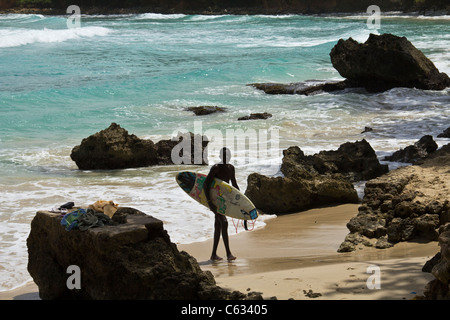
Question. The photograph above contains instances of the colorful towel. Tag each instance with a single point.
(70, 220)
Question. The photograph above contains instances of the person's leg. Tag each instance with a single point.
(217, 231)
(224, 226)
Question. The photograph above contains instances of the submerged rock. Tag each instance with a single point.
(303, 88)
(131, 260)
(205, 110)
(384, 62)
(256, 116)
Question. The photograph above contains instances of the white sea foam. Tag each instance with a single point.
(158, 16)
(19, 37)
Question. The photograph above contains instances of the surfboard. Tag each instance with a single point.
(229, 201)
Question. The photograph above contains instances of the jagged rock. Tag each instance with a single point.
(445, 133)
(278, 195)
(309, 181)
(357, 161)
(420, 150)
(204, 110)
(134, 259)
(407, 203)
(256, 116)
(384, 62)
(303, 88)
(115, 148)
(439, 288)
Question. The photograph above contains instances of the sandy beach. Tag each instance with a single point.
(294, 257)
(297, 253)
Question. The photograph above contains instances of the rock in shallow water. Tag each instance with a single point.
(114, 148)
(386, 61)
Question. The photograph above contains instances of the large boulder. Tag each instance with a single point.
(131, 259)
(281, 195)
(384, 62)
(311, 181)
(115, 148)
(356, 161)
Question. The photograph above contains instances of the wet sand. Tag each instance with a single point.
(297, 253)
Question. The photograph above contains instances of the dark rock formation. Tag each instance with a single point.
(309, 181)
(356, 161)
(279, 195)
(439, 288)
(381, 63)
(304, 88)
(445, 133)
(133, 259)
(204, 110)
(256, 116)
(115, 148)
(407, 203)
(384, 62)
(420, 150)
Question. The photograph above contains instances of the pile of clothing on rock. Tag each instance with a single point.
(97, 214)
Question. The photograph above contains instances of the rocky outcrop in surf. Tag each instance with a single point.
(356, 161)
(115, 148)
(309, 181)
(205, 110)
(420, 150)
(381, 63)
(407, 203)
(384, 62)
(131, 259)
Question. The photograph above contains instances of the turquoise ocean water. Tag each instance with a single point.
(59, 85)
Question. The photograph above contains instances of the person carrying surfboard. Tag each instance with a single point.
(224, 171)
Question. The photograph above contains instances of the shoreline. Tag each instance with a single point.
(296, 253)
(431, 12)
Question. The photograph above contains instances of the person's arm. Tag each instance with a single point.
(233, 178)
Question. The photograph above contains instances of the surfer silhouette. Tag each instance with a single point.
(223, 171)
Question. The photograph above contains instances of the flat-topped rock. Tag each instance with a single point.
(133, 258)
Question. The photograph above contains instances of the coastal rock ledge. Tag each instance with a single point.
(131, 259)
(409, 203)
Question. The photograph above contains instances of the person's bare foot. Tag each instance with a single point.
(216, 258)
(230, 257)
